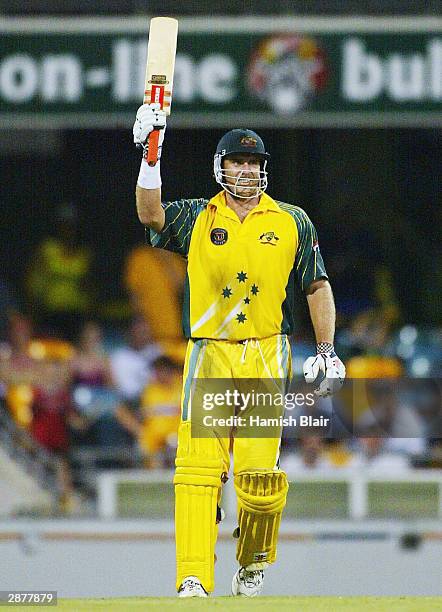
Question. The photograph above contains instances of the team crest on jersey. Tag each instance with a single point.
(269, 238)
(219, 235)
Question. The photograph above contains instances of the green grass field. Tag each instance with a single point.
(263, 604)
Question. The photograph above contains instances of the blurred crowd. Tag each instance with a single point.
(69, 395)
(74, 379)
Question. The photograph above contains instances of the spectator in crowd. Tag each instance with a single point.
(387, 415)
(314, 452)
(425, 396)
(160, 411)
(367, 333)
(155, 277)
(94, 391)
(373, 452)
(90, 364)
(156, 424)
(58, 280)
(131, 363)
(53, 415)
(310, 454)
(363, 371)
(19, 371)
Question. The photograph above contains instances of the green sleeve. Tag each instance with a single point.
(177, 231)
(309, 265)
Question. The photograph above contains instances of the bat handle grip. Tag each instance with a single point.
(152, 149)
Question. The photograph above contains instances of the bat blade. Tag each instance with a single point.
(161, 51)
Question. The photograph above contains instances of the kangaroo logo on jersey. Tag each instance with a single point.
(219, 235)
(269, 238)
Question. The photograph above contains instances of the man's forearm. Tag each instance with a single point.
(149, 209)
(148, 193)
(322, 311)
(325, 362)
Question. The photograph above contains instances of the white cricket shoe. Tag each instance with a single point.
(247, 584)
(191, 587)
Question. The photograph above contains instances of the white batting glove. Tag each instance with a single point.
(327, 365)
(149, 117)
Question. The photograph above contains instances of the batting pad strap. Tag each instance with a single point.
(149, 177)
(262, 492)
(261, 500)
(203, 478)
(190, 471)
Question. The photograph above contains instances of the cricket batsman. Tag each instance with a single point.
(245, 251)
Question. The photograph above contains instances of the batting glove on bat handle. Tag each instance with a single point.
(325, 364)
(149, 117)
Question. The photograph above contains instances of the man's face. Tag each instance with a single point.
(242, 173)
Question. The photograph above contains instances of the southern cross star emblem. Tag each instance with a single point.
(254, 289)
(246, 300)
(227, 292)
(241, 277)
(241, 317)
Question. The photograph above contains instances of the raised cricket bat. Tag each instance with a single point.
(161, 51)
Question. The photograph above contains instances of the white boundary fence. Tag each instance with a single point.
(358, 482)
(96, 558)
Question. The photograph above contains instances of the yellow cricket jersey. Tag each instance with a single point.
(240, 276)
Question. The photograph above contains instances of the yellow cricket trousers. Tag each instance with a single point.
(209, 457)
